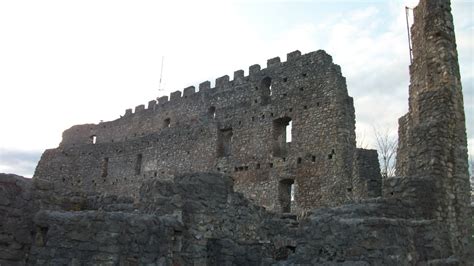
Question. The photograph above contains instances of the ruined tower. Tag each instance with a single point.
(432, 155)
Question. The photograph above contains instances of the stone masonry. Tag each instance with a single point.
(240, 128)
(432, 155)
(182, 182)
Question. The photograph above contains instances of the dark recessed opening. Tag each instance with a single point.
(212, 112)
(167, 122)
(105, 167)
(266, 90)
(224, 142)
(138, 164)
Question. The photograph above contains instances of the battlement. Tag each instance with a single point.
(221, 83)
(275, 82)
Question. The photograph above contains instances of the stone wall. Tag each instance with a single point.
(432, 155)
(16, 226)
(367, 180)
(198, 219)
(239, 128)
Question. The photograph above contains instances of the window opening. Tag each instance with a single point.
(224, 142)
(138, 164)
(286, 194)
(93, 139)
(288, 132)
(331, 155)
(105, 167)
(167, 122)
(212, 112)
(266, 90)
(282, 134)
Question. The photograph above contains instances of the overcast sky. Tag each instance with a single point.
(64, 63)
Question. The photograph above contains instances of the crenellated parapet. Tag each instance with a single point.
(190, 106)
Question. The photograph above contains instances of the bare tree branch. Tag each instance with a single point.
(387, 149)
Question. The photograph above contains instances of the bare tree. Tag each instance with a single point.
(361, 141)
(387, 149)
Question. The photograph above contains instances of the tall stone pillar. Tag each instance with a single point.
(432, 154)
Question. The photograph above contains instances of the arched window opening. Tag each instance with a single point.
(282, 130)
(212, 112)
(286, 194)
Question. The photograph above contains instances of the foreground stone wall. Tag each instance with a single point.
(16, 226)
(240, 128)
(198, 219)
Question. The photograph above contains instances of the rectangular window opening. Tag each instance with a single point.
(224, 142)
(105, 167)
(282, 134)
(138, 164)
(286, 195)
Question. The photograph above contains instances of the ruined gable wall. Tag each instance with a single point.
(308, 89)
(432, 154)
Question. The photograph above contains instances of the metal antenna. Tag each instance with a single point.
(407, 11)
(161, 73)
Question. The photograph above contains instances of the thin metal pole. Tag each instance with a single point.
(407, 10)
(161, 72)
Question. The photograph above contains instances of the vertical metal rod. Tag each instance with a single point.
(161, 72)
(407, 10)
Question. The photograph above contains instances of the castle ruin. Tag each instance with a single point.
(216, 177)
(240, 128)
